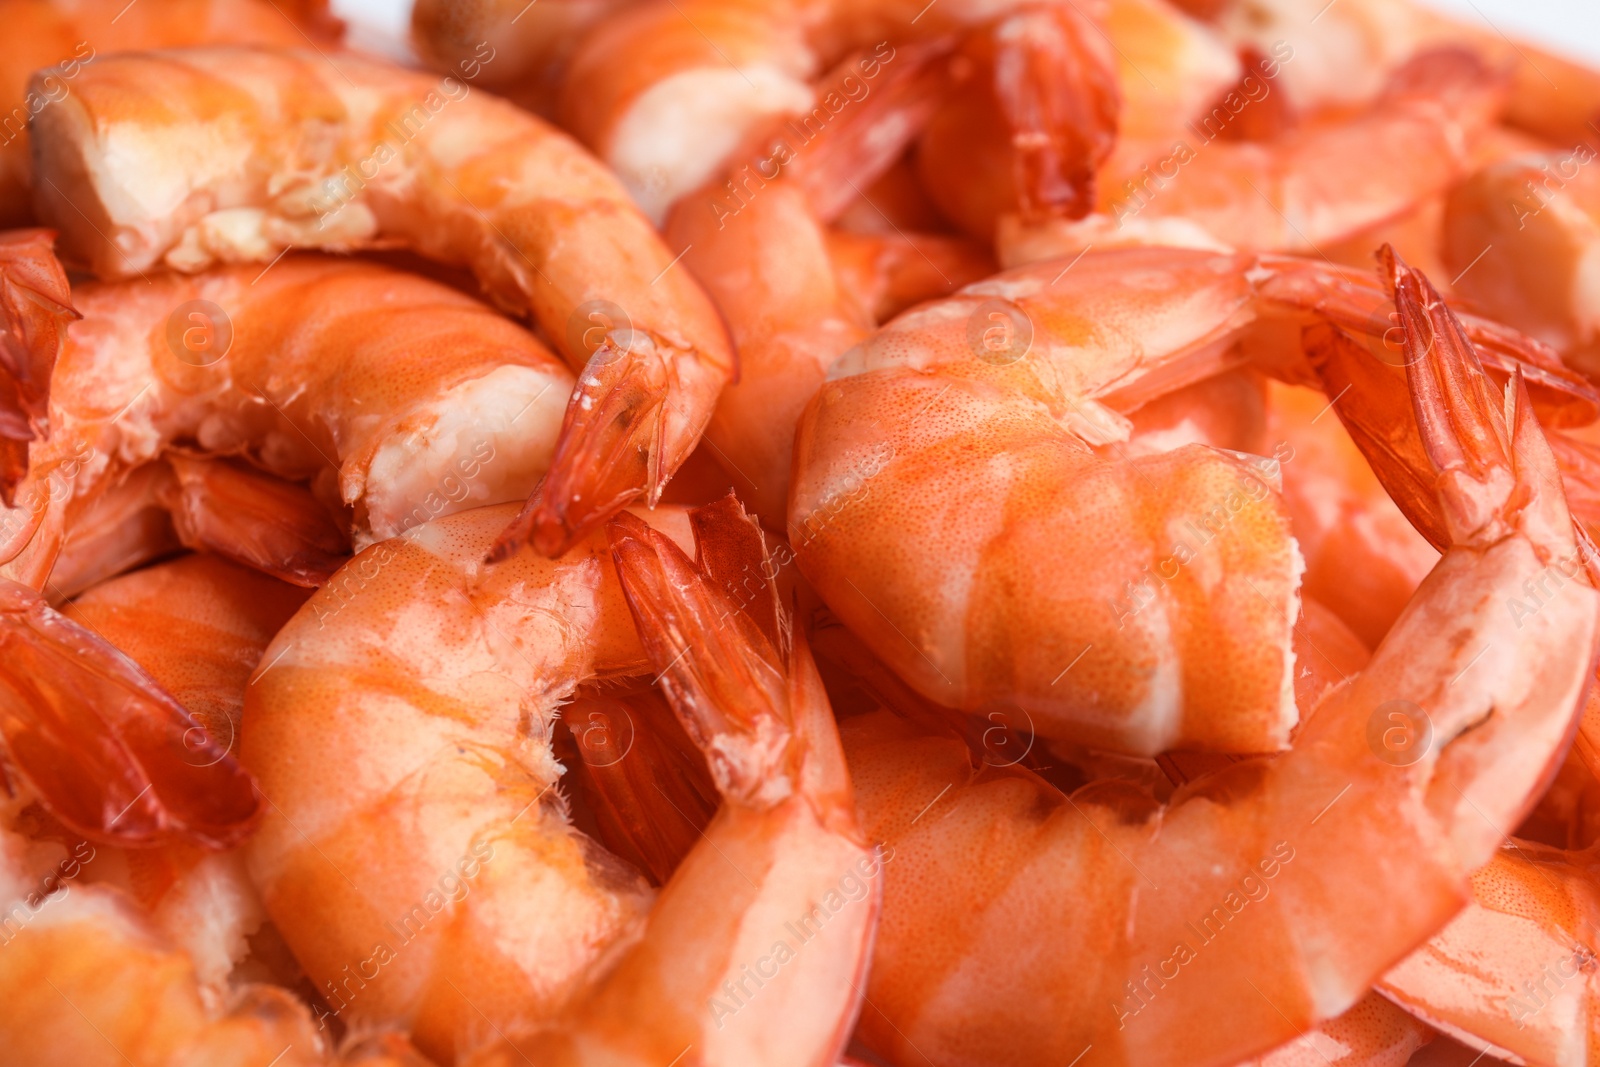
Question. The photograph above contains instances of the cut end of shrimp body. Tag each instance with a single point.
(609, 451)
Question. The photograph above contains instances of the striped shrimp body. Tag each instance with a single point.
(382, 157)
(1226, 921)
(295, 409)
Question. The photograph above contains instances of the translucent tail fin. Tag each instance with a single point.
(250, 517)
(35, 308)
(609, 451)
(744, 686)
(1056, 81)
(110, 753)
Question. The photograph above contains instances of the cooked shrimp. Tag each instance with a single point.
(400, 158)
(759, 242)
(756, 949)
(446, 880)
(1254, 904)
(1317, 184)
(532, 42)
(458, 802)
(88, 980)
(1173, 577)
(60, 39)
(1514, 974)
(1344, 51)
(703, 75)
(197, 626)
(1523, 235)
(1364, 560)
(404, 398)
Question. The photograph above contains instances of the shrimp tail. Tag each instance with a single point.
(275, 526)
(631, 753)
(721, 672)
(1057, 85)
(1444, 365)
(110, 753)
(35, 307)
(609, 451)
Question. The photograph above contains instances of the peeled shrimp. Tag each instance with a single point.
(1259, 900)
(790, 289)
(400, 158)
(701, 76)
(1157, 592)
(1315, 185)
(756, 949)
(394, 395)
(447, 885)
(60, 39)
(1344, 51)
(197, 625)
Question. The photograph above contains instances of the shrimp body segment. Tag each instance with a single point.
(35, 308)
(400, 158)
(395, 395)
(1225, 922)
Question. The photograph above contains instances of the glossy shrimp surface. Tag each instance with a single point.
(1225, 921)
(396, 396)
(700, 77)
(405, 159)
(61, 39)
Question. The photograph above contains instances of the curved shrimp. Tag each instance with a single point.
(448, 884)
(393, 395)
(1254, 903)
(60, 40)
(197, 625)
(790, 289)
(1320, 183)
(1173, 577)
(532, 43)
(796, 890)
(401, 158)
(725, 70)
(89, 980)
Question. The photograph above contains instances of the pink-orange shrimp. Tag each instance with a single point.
(400, 158)
(1226, 921)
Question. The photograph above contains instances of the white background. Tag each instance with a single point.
(1570, 26)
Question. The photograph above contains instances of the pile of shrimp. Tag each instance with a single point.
(794, 533)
